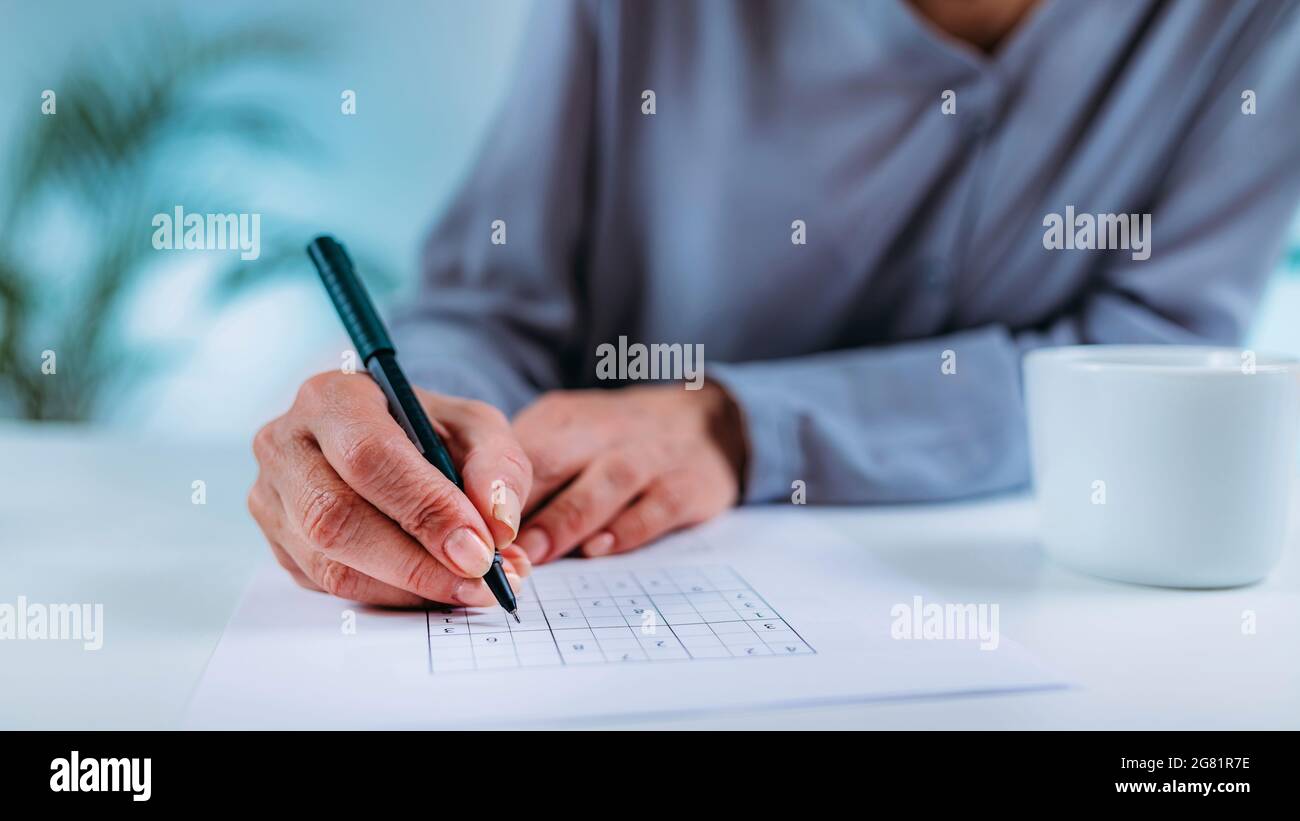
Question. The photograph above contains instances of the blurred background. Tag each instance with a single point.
(219, 107)
(236, 107)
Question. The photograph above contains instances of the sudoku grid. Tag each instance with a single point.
(599, 617)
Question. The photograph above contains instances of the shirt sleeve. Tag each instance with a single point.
(888, 424)
(490, 320)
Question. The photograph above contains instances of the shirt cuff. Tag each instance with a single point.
(772, 463)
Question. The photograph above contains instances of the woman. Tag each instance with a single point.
(865, 212)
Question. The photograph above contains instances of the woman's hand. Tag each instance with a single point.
(615, 469)
(349, 506)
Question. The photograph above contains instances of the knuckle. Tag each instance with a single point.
(315, 388)
(665, 453)
(622, 473)
(567, 515)
(423, 579)
(673, 502)
(367, 458)
(263, 442)
(328, 518)
(338, 579)
(553, 462)
(432, 511)
(332, 389)
(635, 526)
(549, 471)
(255, 505)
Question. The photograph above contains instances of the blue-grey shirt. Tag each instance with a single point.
(923, 214)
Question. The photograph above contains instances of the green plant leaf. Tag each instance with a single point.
(107, 153)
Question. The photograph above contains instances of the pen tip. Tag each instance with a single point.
(516, 615)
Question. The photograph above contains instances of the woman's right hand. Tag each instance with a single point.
(349, 506)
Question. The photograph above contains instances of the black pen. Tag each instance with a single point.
(375, 349)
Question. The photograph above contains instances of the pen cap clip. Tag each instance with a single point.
(349, 296)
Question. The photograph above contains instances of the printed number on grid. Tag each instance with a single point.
(615, 617)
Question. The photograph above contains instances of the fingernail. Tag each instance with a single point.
(468, 552)
(600, 544)
(518, 560)
(473, 592)
(506, 506)
(535, 543)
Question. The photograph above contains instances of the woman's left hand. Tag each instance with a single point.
(615, 469)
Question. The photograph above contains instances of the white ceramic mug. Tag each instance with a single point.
(1163, 465)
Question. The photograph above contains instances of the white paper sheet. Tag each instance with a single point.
(757, 609)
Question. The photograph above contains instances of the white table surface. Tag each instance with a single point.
(93, 516)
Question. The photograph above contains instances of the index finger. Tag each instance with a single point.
(372, 454)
